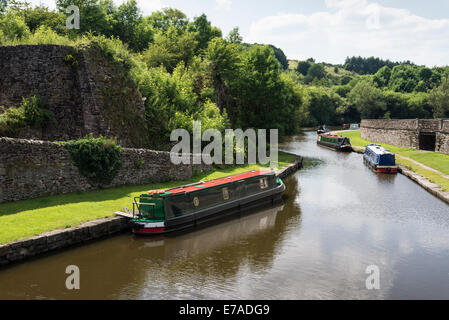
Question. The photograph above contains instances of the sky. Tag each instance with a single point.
(328, 30)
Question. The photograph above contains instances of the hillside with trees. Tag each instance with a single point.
(186, 69)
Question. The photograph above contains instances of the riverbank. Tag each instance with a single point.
(96, 207)
(428, 169)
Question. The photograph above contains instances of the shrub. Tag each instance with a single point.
(36, 115)
(11, 120)
(31, 113)
(98, 159)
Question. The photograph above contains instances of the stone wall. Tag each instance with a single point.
(400, 133)
(86, 91)
(32, 169)
(59, 239)
(443, 137)
(406, 133)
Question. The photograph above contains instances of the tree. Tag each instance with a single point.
(368, 100)
(95, 15)
(316, 71)
(3, 5)
(404, 78)
(382, 77)
(260, 93)
(234, 36)
(280, 56)
(439, 99)
(204, 31)
(320, 105)
(368, 65)
(42, 16)
(223, 61)
(13, 26)
(162, 20)
(127, 16)
(303, 67)
(170, 48)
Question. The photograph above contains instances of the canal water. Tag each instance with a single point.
(338, 218)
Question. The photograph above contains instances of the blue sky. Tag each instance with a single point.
(330, 30)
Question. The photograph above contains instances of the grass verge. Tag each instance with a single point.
(24, 219)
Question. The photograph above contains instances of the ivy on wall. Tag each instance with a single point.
(98, 159)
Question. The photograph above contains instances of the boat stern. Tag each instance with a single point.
(140, 227)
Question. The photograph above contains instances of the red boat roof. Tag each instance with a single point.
(330, 136)
(217, 182)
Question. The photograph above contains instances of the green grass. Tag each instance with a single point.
(434, 160)
(24, 219)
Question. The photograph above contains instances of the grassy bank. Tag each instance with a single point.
(434, 160)
(24, 219)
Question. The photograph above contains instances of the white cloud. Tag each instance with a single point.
(224, 4)
(356, 27)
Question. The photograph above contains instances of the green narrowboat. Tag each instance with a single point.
(335, 142)
(158, 212)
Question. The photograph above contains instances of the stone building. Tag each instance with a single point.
(422, 134)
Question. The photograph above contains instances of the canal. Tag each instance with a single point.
(337, 219)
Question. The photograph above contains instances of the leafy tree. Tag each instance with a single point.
(234, 36)
(368, 100)
(439, 98)
(204, 31)
(96, 16)
(404, 78)
(261, 93)
(170, 48)
(368, 65)
(3, 5)
(42, 16)
(223, 58)
(13, 26)
(126, 18)
(303, 67)
(321, 106)
(382, 77)
(162, 20)
(316, 71)
(280, 56)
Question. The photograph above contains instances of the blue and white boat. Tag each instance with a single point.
(380, 159)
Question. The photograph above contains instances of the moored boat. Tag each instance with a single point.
(159, 212)
(322, 129)
(380, 159)
(334, 142)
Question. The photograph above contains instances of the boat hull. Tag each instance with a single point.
(380, 169)
(335, 146)
(207, 215)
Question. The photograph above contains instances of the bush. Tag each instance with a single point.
(98, 159)
(36, 115)
(31, 113)
(11, 121)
